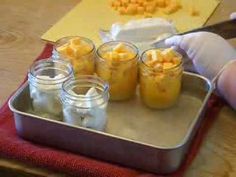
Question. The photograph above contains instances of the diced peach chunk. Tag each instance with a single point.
(119, 52)
(75, 41)
(119, 48)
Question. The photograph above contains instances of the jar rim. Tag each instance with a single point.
(118, 41)
(89, 41)
(82, 78)
(169, 69)
(49, 60)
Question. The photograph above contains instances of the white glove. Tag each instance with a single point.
(209, 52)
(233, 15)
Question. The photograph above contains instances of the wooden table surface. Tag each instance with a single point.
(22, 22)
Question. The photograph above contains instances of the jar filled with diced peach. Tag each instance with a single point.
(79, 51)
(117, 63)
(160, 77)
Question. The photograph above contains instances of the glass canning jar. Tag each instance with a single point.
(121, 73)
(79, 51)
(45, 79)
(84, 101)
(160, 88)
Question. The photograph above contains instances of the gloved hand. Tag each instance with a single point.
(208, 51)
(233, 15)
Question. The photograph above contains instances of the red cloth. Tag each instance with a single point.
(12, 146)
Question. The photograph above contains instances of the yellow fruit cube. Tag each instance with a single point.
(124, 2)
(123, 56)
(168, 65)
(122, 10)
(161, 3)
(131, 9)
(151, 63)
(133, 1)
(63, 49)
(79, 51)
(154, 54)
(140, 10)
(147, 15)
(149, 55)
(119, 52)
(176, 60)
(158, 67)
(150, 9)
(130, 55)
(159, 56)
(194, 12)
(70, 52)
(172, 7)
(120, 48)
(168, 54)
(140, 2)
(115, 56)
(116, 4)
(75, 42)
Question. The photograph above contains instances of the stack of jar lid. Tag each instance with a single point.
(113, 70)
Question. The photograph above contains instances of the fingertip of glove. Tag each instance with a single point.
(233, 15)
(173, 41)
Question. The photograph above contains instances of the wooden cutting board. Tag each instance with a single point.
(89, 16)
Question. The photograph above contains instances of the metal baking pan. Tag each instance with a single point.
(152, 140)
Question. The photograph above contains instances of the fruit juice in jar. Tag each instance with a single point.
(160, 77)
(79, 51)
(117, 64)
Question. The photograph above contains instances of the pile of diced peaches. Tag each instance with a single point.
(145, 7)
(148, 8)
(118, 63)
